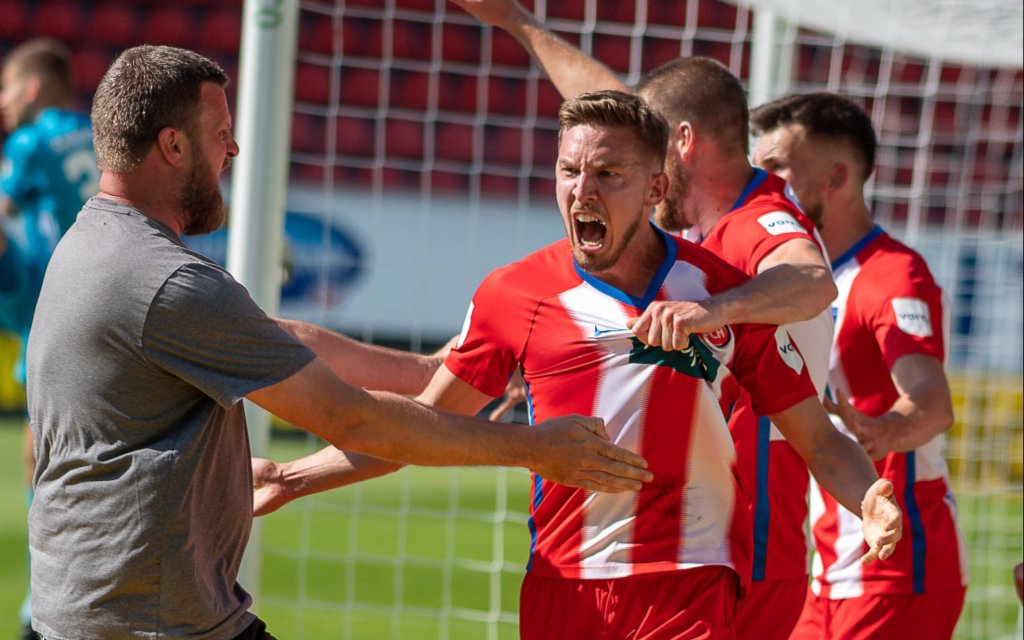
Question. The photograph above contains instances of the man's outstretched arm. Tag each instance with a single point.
(572, 71)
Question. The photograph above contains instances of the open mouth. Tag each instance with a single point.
(590, 230)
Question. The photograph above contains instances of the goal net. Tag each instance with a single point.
(421, 157)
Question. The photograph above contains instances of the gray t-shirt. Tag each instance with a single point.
(139, 355)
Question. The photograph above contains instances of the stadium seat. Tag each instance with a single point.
(459, 43)
(507, 51)
(114, 24)
(457, 92)
(567, 10)
(403, 139)
(545, 147)
(622, 12)
(453, 142)
(506, 96)
(88, 67)
(549, 101)
(716, 14)
(316, 33)
(448, 182)
(60, 19)
(359, 87)
(409, 89)
(362, 37)
(221, 30)
(503, 145)
(419, 5)
(312, 83)
(412, 40)
(667, 13)
(494, 185)
(16, 20)
(658, 51)
(613, 51)
(171, 25)
(309, 133)
(355, 136)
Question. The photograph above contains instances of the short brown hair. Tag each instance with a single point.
(617, 109)
(703, 92)
(146, 89)
(824, 116)
(48, 60)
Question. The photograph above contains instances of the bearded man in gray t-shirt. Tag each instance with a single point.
(140, 353)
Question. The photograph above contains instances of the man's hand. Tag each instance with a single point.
(515, 393)
(268, 493)
(881, 521)
(669, 324)
(874, 435)
(575, 451)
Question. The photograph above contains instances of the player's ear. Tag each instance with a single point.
(838, 177)
(658, 189)
(683, 141)
(171, 144)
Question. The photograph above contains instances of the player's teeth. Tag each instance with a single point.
(586, 217)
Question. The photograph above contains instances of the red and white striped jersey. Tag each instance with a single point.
(567, 330)
(888, 306)
(773, 475)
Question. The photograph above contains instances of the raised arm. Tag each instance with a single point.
(572, 71)
(841, 468)
(368, 366)
(923, 410)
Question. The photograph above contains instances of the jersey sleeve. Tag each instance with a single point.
(908, 317)
(204, 328)
(769, 367)
(493, 336)
(19, 176)
(752, 236)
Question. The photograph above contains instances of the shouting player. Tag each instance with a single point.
(676, 554)
(743, 215)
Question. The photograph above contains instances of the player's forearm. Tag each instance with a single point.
(913, 424)
(843, 469)
(364, 365)
(783, 294)
(327, 469)
(572, 71)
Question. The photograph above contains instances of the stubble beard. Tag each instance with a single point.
(596, 264)
(670, 214)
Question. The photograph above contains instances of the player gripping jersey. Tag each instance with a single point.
(773, 475)
(567, 330)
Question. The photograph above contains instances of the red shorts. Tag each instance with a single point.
(771, 609)
(682, 605)
(885, 616)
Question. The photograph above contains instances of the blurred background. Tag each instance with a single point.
(422, 147)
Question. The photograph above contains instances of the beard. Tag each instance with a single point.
(201, 199)
(595, 264)
(670, 213)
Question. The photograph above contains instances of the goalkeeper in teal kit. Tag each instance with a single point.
(48, 172)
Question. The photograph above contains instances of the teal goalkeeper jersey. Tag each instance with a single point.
(48, 172)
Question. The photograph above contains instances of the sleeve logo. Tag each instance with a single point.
(787, 351)
(912, 316)
(780, 222)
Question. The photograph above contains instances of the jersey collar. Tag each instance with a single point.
(760, 175)
(671, 251)
(855, 249)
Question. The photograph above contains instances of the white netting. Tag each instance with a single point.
(423, 147)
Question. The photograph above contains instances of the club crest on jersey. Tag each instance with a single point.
(719, 338)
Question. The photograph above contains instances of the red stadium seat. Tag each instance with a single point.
(658, 51)
(60, 19)
(312, 83)
(114, 24)
(667, 13)
(16, 20)
(567, 9)
(622, 11)
(492, 185)
(447, 182)
(404, 139)
(362, 37)
(457, 93)
(355, 136)
(503, 145)
(221, 30)
(454, 142)
(459, 43)
(507, 51)
(717, 15)
(308, 133)
(360, 87)
(316, 34)
(506, 96)
(171, 25)
(613, 51)
(88, 67)
(412, 40)
(409, 89)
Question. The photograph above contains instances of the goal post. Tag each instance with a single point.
(258, 187)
